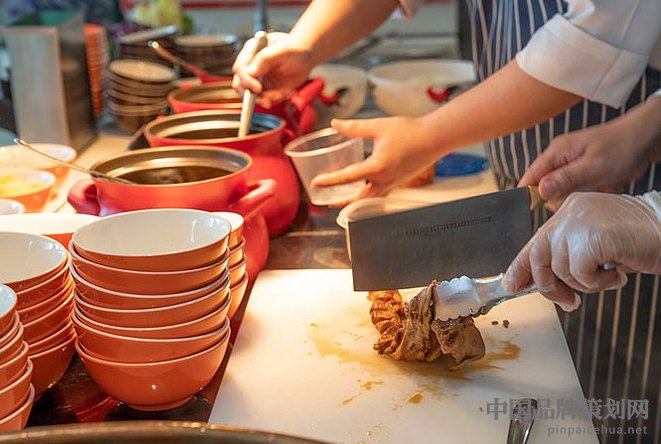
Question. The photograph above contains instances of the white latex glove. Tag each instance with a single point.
(589, 230)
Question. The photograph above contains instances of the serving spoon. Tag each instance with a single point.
(73, 166)
(167, 55)
(261, 40)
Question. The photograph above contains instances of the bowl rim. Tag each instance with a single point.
(82, 352)
(220, 232)
(48, 281)
(23, 351)
(68, 286)
(11, 298)
(45, 178)
(56, 347)
(56, 246)
(290, 149)
(22, 407)
(27, 374)
(69, 300)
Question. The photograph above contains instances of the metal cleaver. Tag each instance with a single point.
(477, 236)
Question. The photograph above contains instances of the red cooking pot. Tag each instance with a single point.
(211, 179)
(298, 112)
(264, 144)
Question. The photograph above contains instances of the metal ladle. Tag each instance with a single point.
(73, 166)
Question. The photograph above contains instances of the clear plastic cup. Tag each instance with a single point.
(324, 151)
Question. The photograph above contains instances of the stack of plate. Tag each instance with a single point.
(213, 52)
(137, 91)
(237, 262)
(134, 45)
(16, 391)
(98, 56)
(152, 296)
(37, 269)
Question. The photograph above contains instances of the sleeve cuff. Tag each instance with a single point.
(566, 57)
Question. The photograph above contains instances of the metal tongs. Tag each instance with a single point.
(464, 296)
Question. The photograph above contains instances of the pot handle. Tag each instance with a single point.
(305, 94)
(258, 195)
(82, 196)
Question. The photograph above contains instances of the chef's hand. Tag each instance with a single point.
(282, 66)
(603, 158)
(589, 230)
(401, 149)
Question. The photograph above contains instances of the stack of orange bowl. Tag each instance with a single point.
(237, 260)
(16, 392)
(37, 269)
(98, 56)
(152, 296)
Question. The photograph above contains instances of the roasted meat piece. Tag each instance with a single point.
(409, 331)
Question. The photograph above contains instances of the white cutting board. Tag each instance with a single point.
(303, 364)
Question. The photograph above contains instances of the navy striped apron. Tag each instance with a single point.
(615, 337)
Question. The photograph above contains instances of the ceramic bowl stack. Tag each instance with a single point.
(137, 91)
(98, 56)
(134, 45)
(37, 269)
(213, 52)
(152, 296)
(16, 391)
(238, 262)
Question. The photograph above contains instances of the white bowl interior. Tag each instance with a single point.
(142, 71)
(10, 207)
(151, 232)
(7, 300)
(25, 256)
(424, 72)
(235, 220)
(45, 223)
(16, 156)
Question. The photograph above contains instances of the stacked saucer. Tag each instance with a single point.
(37, 269)
(152, 296)
(16, 391)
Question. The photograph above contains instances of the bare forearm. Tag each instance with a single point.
(328, 26)
(508, 101)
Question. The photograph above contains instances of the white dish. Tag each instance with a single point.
(346, 82)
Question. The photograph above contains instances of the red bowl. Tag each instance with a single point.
(51, 322)
(126, 349)
(156, 385)
(237, 272)
(7, 308)
(156, 317)
(146, 282)
(42, 291)
(29, 259)
(237, 291)
(157, 240)
(10, 332)
(13, 345)
(57, 338)
(16, 420)
(11, 370)
(236, 254)
(196, 327)
(15, 394)
(101, 297)
(50, 365)
(33, 312)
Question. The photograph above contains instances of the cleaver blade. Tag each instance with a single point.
(477, 236)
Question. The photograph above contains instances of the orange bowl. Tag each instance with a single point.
(157, 240)
(32, 188)
(11, 332)
(50, 365)
(11, 370)
(35, 311)
(29, 259)
(236, 222)
(15, 394)
(58, 226)
(156, 317)
(237, 272)
(57, 338)
(16, 421)
(126, 349)
(236, 254)
(49, 323)
(101, 297)
(237, 291)
(7, 309)
(196, 327)
(147, 282)
(12, 347)
(44, 290)
(156, 385)
(18, 157)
